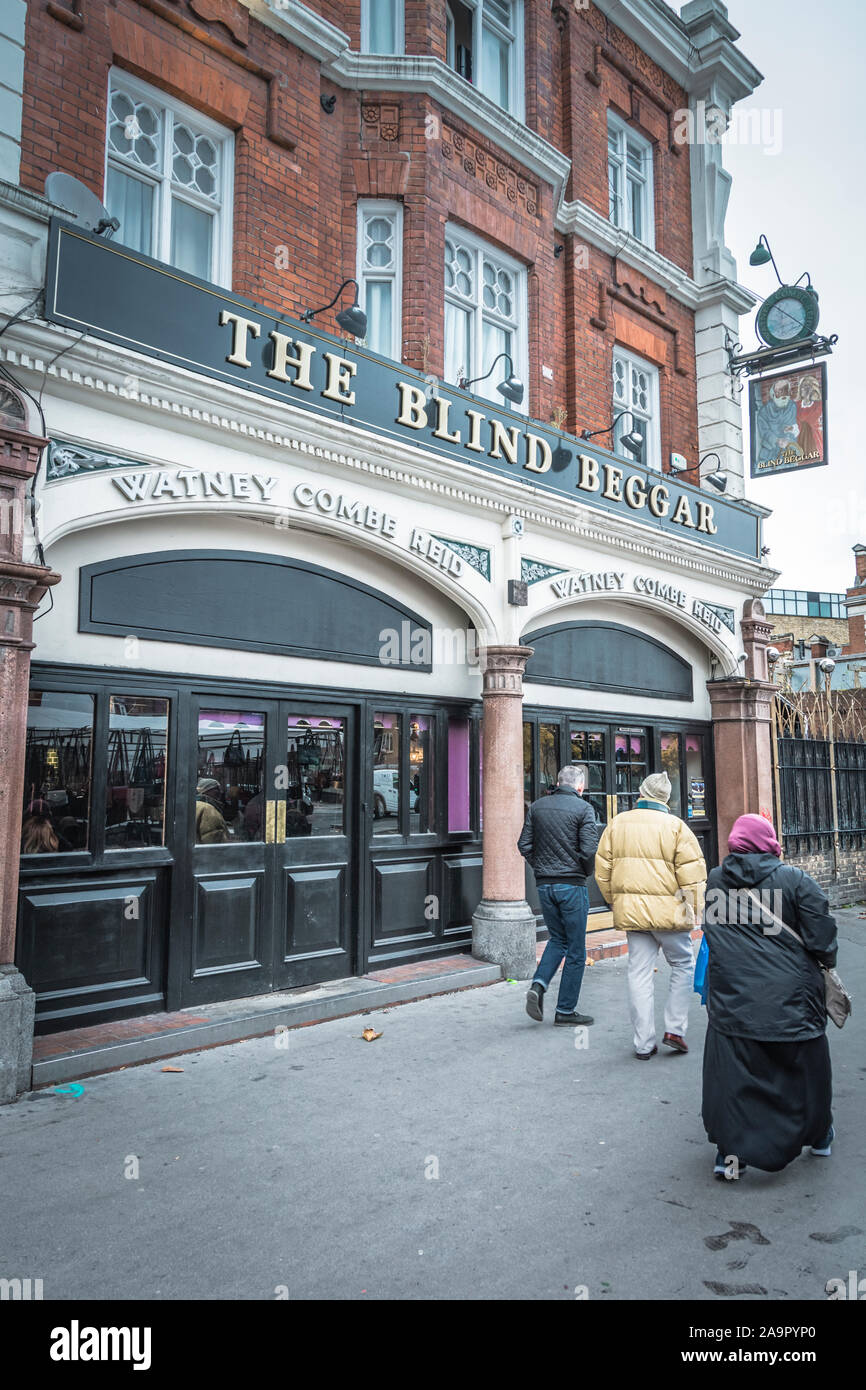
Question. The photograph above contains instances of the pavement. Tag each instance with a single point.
(467, 1153)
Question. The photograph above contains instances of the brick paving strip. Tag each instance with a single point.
(80, 1052)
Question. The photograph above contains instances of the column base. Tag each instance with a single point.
(505, 934)
(17, 1014)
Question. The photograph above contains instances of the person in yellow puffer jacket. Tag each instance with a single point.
(650, 869)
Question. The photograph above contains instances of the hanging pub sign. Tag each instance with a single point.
(788, 419)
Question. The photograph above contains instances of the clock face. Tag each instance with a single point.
(787, 319)
(788, 315)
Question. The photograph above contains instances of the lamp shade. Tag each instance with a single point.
(761, 255)
(633, 442)
(353, 320)
(511, 389)
(718, 480)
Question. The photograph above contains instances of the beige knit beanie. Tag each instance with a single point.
(656, 788)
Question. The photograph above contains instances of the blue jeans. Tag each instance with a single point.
(565, 907)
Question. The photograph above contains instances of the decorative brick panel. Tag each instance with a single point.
(479, 161)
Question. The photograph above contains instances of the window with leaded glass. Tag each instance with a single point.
(636, 392)
(485, 314)
(169, 180)
(380, 255)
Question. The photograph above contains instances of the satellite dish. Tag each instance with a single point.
(73, 195)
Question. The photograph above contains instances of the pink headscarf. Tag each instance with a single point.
(754, 835)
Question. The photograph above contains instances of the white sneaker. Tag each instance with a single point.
(825, 1150)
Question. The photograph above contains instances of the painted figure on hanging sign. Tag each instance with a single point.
(788, 415)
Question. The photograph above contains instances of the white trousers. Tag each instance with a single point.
(643, 949)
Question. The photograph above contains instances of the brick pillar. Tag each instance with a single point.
(22, 586)
(503, 925)
(855, 602)
(742, 714)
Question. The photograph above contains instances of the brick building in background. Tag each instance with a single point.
(242, 498)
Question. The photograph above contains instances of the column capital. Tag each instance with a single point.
(503, 668)
(757, 632)
(22, 588)
(741, 699)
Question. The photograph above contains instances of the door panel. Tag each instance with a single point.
(462, 890)
(315, 898)
(401, 888)
(228, 923)
(230, 861)
(93, 946)
(315, 910)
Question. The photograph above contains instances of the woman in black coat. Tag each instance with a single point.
(767, 1083)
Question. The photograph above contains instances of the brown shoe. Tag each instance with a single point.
(673, 1040)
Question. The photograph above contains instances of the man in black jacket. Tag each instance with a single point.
(559, 840)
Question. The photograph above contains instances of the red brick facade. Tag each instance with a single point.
(299, 172)
(856, 620)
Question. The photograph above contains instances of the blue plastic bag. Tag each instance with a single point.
(701, 970)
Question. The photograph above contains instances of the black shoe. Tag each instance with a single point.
(574, 1020)
(824, 1150)
(645, 1056)
(535, 1002)
(720, 1169)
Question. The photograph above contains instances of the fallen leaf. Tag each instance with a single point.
(370, 1035)
(172, 1068)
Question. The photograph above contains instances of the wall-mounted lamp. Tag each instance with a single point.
(762, 255)
(633, 441)
(328, 104)
(719, 479)
(511, 388)
(557, 251)
(353, 319)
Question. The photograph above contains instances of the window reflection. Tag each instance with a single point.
(588, 748)
(135, 787)
(548, 747)
(315, 763)
(670, 746)
(386, 773)
(57, 762)
(229, 795)
(630, 766)
(420, 790)
(528, 768)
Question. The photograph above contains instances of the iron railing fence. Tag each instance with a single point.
(819, 752)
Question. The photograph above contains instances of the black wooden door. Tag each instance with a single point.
(232, 749)
(316, 838)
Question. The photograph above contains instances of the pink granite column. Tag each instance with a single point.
(742, 713)
(22, 586)
(503, 925)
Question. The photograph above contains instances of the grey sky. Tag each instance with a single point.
(801, 198)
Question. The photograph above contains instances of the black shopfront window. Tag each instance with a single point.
(96, 768)
(57, 772)
(136, 768)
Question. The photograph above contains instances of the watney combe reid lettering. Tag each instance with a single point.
(292, 362)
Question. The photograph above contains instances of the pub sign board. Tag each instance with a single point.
(116, 294)
(788, 420)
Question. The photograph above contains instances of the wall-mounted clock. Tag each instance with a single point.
(787, 315)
